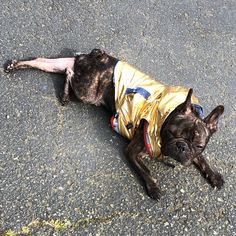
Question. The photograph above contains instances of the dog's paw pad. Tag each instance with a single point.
(63, 100)
(217, 180)
(10, 66)
(154, 191)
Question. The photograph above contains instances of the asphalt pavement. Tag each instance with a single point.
(62, 169)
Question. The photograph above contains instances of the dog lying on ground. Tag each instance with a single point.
(157, 119)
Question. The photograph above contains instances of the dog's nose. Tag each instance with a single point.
(181, 146)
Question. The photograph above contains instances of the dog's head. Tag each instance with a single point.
(184, 134)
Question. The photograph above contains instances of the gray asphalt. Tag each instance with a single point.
(62, 169)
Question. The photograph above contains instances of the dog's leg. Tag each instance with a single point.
(58, 65)
(132, 152)
(215, 178)
(69, 76)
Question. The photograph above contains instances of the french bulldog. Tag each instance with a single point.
(182, 134)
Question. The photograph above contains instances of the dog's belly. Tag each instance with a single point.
(92, 82)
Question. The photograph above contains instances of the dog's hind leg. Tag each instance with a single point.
(58, 65)
(69, 75)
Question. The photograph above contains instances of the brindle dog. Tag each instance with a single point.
(184, 134)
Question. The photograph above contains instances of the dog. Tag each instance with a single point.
(157, 119)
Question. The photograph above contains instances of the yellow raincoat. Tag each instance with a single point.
(138, 97)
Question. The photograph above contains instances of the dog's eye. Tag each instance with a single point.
(199, 146)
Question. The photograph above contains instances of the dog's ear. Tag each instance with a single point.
(186, 105)
(212, 119)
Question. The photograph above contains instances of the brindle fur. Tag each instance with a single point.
(184, 135)
(92, 81)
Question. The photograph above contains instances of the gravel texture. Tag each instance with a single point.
(62, 169)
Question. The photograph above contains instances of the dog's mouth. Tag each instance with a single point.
(183, 160)
(186, 163)
(183, 157)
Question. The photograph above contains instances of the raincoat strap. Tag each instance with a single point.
(138, 90)
(146, 139)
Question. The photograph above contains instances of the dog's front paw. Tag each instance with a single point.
(10, 66)
(154, 191)
(216, 180)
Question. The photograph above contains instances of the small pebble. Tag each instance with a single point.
(220, 199)
(166, 224)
